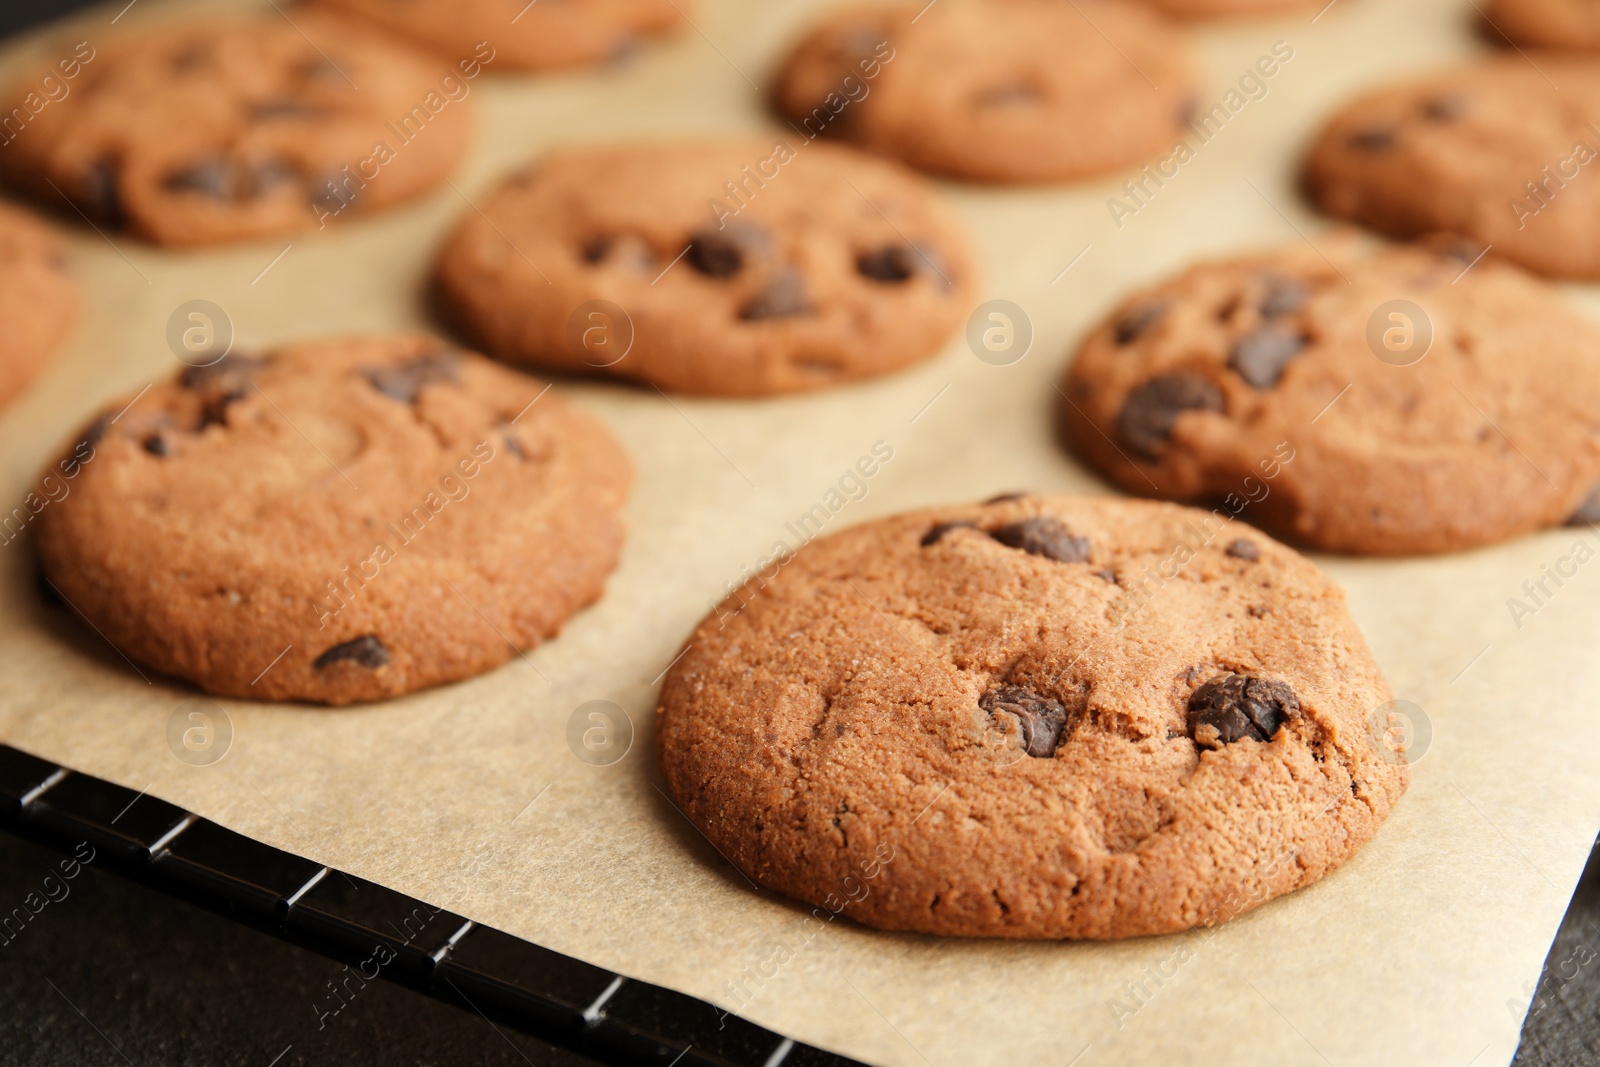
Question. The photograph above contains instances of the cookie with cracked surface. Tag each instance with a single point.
(1490, 150)
(740, 267)
(38, 298)
(337, 521)
(548, 35)
(929, 722)
(1560, 24)
(994, 90)
(206, 132)
(1257, 384)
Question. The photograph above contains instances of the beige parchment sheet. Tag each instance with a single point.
(1422, 950)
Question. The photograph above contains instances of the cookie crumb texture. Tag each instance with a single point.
(1491, 150)
(372, 509)
(226, 130)
(965, 736)
(548, 35)
(38, 298)
(743, 267)
(1254, 385)
(995, 90)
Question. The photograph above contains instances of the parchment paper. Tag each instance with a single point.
(1422, 950)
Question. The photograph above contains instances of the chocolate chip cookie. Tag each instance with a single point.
(225, 130)
(1572, 24)
(731, 268)
(336, 521)
(994, 90)
(1490, 149)
(1377, 401)
(523, 36)
(1041, 717)
(38, 298)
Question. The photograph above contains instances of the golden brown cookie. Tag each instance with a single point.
(729, 268)
(337, 520)
(1490, 149)
(225, 130)
(1041, 717)
(994, 90)
(38, 298)
(1207, 9)
(524, 35)
(1378, 401)
(1565, 24)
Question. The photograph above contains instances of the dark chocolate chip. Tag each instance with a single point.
(716, 254)
(939, 529)
(1041, 719)
(1445, 108)
(514, 447)
(1589, 511)
(404, 381)
(784, 297)
(191, 57)
(1044, 536)
(1136, 321)
(1147, 417)
(1373, 140)
(364, 651)
(594, 250)
(100, 192)
(221, 384)
(1106, 574)
(1004, 497)
(156, 445)
(1284, 296)
(1240, 548)
(1235, 706)
(891, 263)
(96, 431)
(319, 68)
(212, 177)
(1260, 355)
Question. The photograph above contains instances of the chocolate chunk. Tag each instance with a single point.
(594, 250)
(891, 263)
(1240, 548)
(1004, 497)
(404, 381)
(212, 177)
(1589, 511)
(1445, 108)
(1235, 706)
(1284, 296)
(1041, 719)
(1137, 320)
(939, 529)
(1147, 418)
(365, 651)
(155, 444)
(96, 431)
(514, 446)
(716, 254)
(222, 383)
(191, 57)
(1260, 355)
(1373, 140)
(784, 297)
(319, 68)
(100, 192)
(1044, 536)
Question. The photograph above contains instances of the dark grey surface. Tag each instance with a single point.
(19, 14)
(1562, 1027)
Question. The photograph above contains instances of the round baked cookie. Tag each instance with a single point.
(523, 36)
(1490, 149)
(731, 268)
(1378, 401)
(1573, 24)
(211, 131)
(38, 298)
(994, 90)
(336, 521)
(1040, 717)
